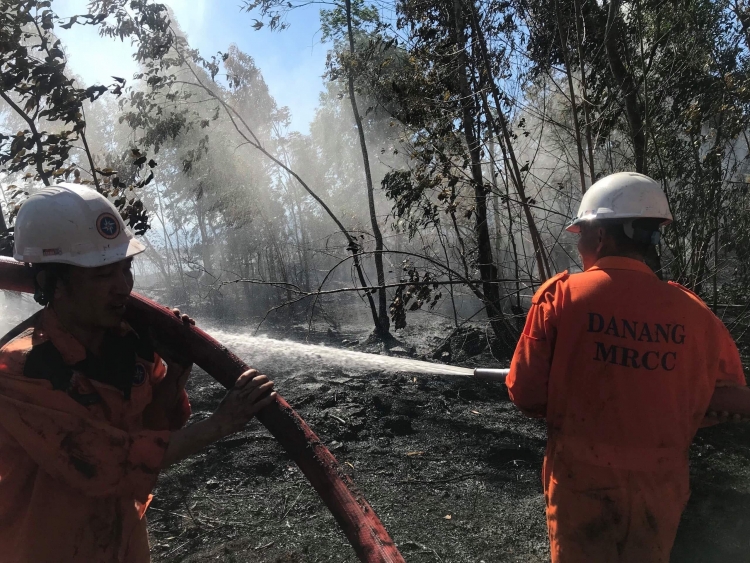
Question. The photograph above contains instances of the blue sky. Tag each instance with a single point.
(292, 61)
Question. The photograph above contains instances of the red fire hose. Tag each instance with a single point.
(361, 525)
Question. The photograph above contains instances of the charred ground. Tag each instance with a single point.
(451, 467)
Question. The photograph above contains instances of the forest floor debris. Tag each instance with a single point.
(418, 450)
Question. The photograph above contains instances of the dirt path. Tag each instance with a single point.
(451, 467)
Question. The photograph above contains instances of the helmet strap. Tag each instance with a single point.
(44, 292)
(641, 235)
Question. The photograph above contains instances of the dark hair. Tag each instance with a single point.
(43, 294)
(643, 229)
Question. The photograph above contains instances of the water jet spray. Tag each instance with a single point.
(269, 353)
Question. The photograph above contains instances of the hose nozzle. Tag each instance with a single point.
(491, 374)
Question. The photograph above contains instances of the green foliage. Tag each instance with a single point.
(413, 291)
(669, 93)
(466, 110)
(333, 22)
(410, 203)
(36, 85)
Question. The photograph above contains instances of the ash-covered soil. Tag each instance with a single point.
(450, 466)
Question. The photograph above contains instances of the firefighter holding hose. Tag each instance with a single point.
(89, 413)
(624, 368)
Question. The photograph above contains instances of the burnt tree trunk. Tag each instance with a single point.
(383, 322)
(487, 268)
(634, 110)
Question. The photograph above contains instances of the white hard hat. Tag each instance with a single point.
(624, 195)
(72, 224)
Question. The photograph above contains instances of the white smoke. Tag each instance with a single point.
(14, 308)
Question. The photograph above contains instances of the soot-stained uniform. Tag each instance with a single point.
(81, 444)
(623, 367)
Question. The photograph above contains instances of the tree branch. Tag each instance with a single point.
(35, 134)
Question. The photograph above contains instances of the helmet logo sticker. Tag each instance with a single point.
(139, 378)
(108, 225)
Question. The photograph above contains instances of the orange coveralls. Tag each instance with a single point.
(623, 367)
(81, 444)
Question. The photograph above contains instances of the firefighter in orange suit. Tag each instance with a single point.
(624, 368)
(89, 414)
